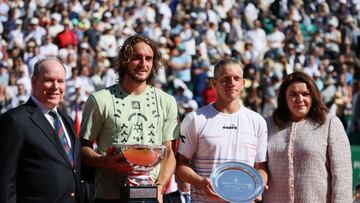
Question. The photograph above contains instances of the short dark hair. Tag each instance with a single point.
(227, 61)
(317, 111)
(126, 52)
(38, 64)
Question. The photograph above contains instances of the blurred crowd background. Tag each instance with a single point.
(272, 38)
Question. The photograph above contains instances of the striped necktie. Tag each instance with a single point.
(61, 135)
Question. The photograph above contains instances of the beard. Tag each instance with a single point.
(132, 75)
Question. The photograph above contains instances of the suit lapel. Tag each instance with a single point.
(40, 120)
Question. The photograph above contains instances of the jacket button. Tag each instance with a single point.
(72, 195)
(74, 171)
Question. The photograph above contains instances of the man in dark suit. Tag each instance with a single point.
(39, 153)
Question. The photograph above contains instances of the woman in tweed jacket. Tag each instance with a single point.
(309, 156)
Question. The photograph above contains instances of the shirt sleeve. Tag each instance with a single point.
(340, 162)
(11, 141)
(188, 137)
(170, 130)
(262, 142)
(91, 125)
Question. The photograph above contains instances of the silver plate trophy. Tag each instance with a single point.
(141, 186)
(236, 182)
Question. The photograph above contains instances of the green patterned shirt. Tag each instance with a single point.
(112, 116)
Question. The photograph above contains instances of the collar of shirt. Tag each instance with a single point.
(45, 111)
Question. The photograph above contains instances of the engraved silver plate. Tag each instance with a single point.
(237, 182)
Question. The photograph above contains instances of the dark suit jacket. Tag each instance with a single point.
(34, 166)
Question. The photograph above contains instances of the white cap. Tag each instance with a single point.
(18, 22)
(56, 17)
(97, 15)
(179, 83)
(107, 14)
(84, 45)
(333, 21)
(162, 40)
(300, 48)
(193, 14)
(330, 68)
(126, 31)
(226, 26)
(191, 104)
(34, 21)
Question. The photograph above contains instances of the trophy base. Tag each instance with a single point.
(142, 194)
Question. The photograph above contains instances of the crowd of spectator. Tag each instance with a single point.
(272, 38)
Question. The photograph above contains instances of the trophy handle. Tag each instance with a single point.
(161, 156)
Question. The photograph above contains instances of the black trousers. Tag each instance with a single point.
(173, 197)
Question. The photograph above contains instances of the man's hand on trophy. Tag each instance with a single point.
(160, 191)
(206, 186)
(117, 162)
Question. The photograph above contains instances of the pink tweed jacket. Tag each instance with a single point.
(309, 163)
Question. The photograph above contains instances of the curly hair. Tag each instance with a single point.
(318, 109)
(127, 50)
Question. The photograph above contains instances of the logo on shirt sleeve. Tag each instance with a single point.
(182, 138)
